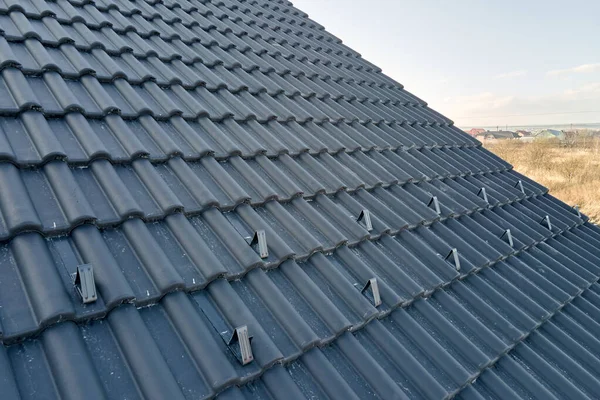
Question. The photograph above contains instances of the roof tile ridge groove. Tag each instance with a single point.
(211, 88)
(249, 65)
(512, 347)
(241, 46)
(327, 341)
(86, 216)
(300, 258)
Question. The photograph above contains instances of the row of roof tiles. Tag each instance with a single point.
(232, 31)
(32, 139)
(80, 37)
(33, 57)
(178, 252)
(275, 15)
(164, 236)
(448, 339)
(55, 96)
(55, 198)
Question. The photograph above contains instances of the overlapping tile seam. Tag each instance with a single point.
(175, 206)
(79, 217)
(351, 170)
(513, 346)
(174, 153)
(302, 258)
(328, 341)
(281, 170)
(347, 175)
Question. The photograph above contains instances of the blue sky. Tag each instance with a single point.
(480, 62)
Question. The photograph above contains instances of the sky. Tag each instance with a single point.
(480, 62)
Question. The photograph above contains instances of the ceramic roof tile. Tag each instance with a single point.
(152, 140)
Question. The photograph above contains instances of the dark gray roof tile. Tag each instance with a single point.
(153, 139)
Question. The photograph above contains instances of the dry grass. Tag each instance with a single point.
(572, 173)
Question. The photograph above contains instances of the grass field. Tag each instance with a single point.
(571, 172)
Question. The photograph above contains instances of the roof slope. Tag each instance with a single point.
(152, 139)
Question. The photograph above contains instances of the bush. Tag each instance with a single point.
(573, 169)
(571, 173)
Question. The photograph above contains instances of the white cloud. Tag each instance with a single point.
(590, 88)
(486, 101)
(584, 68)
(489, 109)
(513, 74)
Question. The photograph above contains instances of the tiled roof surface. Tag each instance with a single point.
(152, 139)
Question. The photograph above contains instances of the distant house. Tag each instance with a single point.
(523, 133)
(488, 136)
(475, 131)
(550, 134)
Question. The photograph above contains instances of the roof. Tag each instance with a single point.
(549, 133)
(147, 144)
(475, 131)
(499, 134)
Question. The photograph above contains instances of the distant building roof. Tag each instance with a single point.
(499, 134)
(475, 131)
(550, 133)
